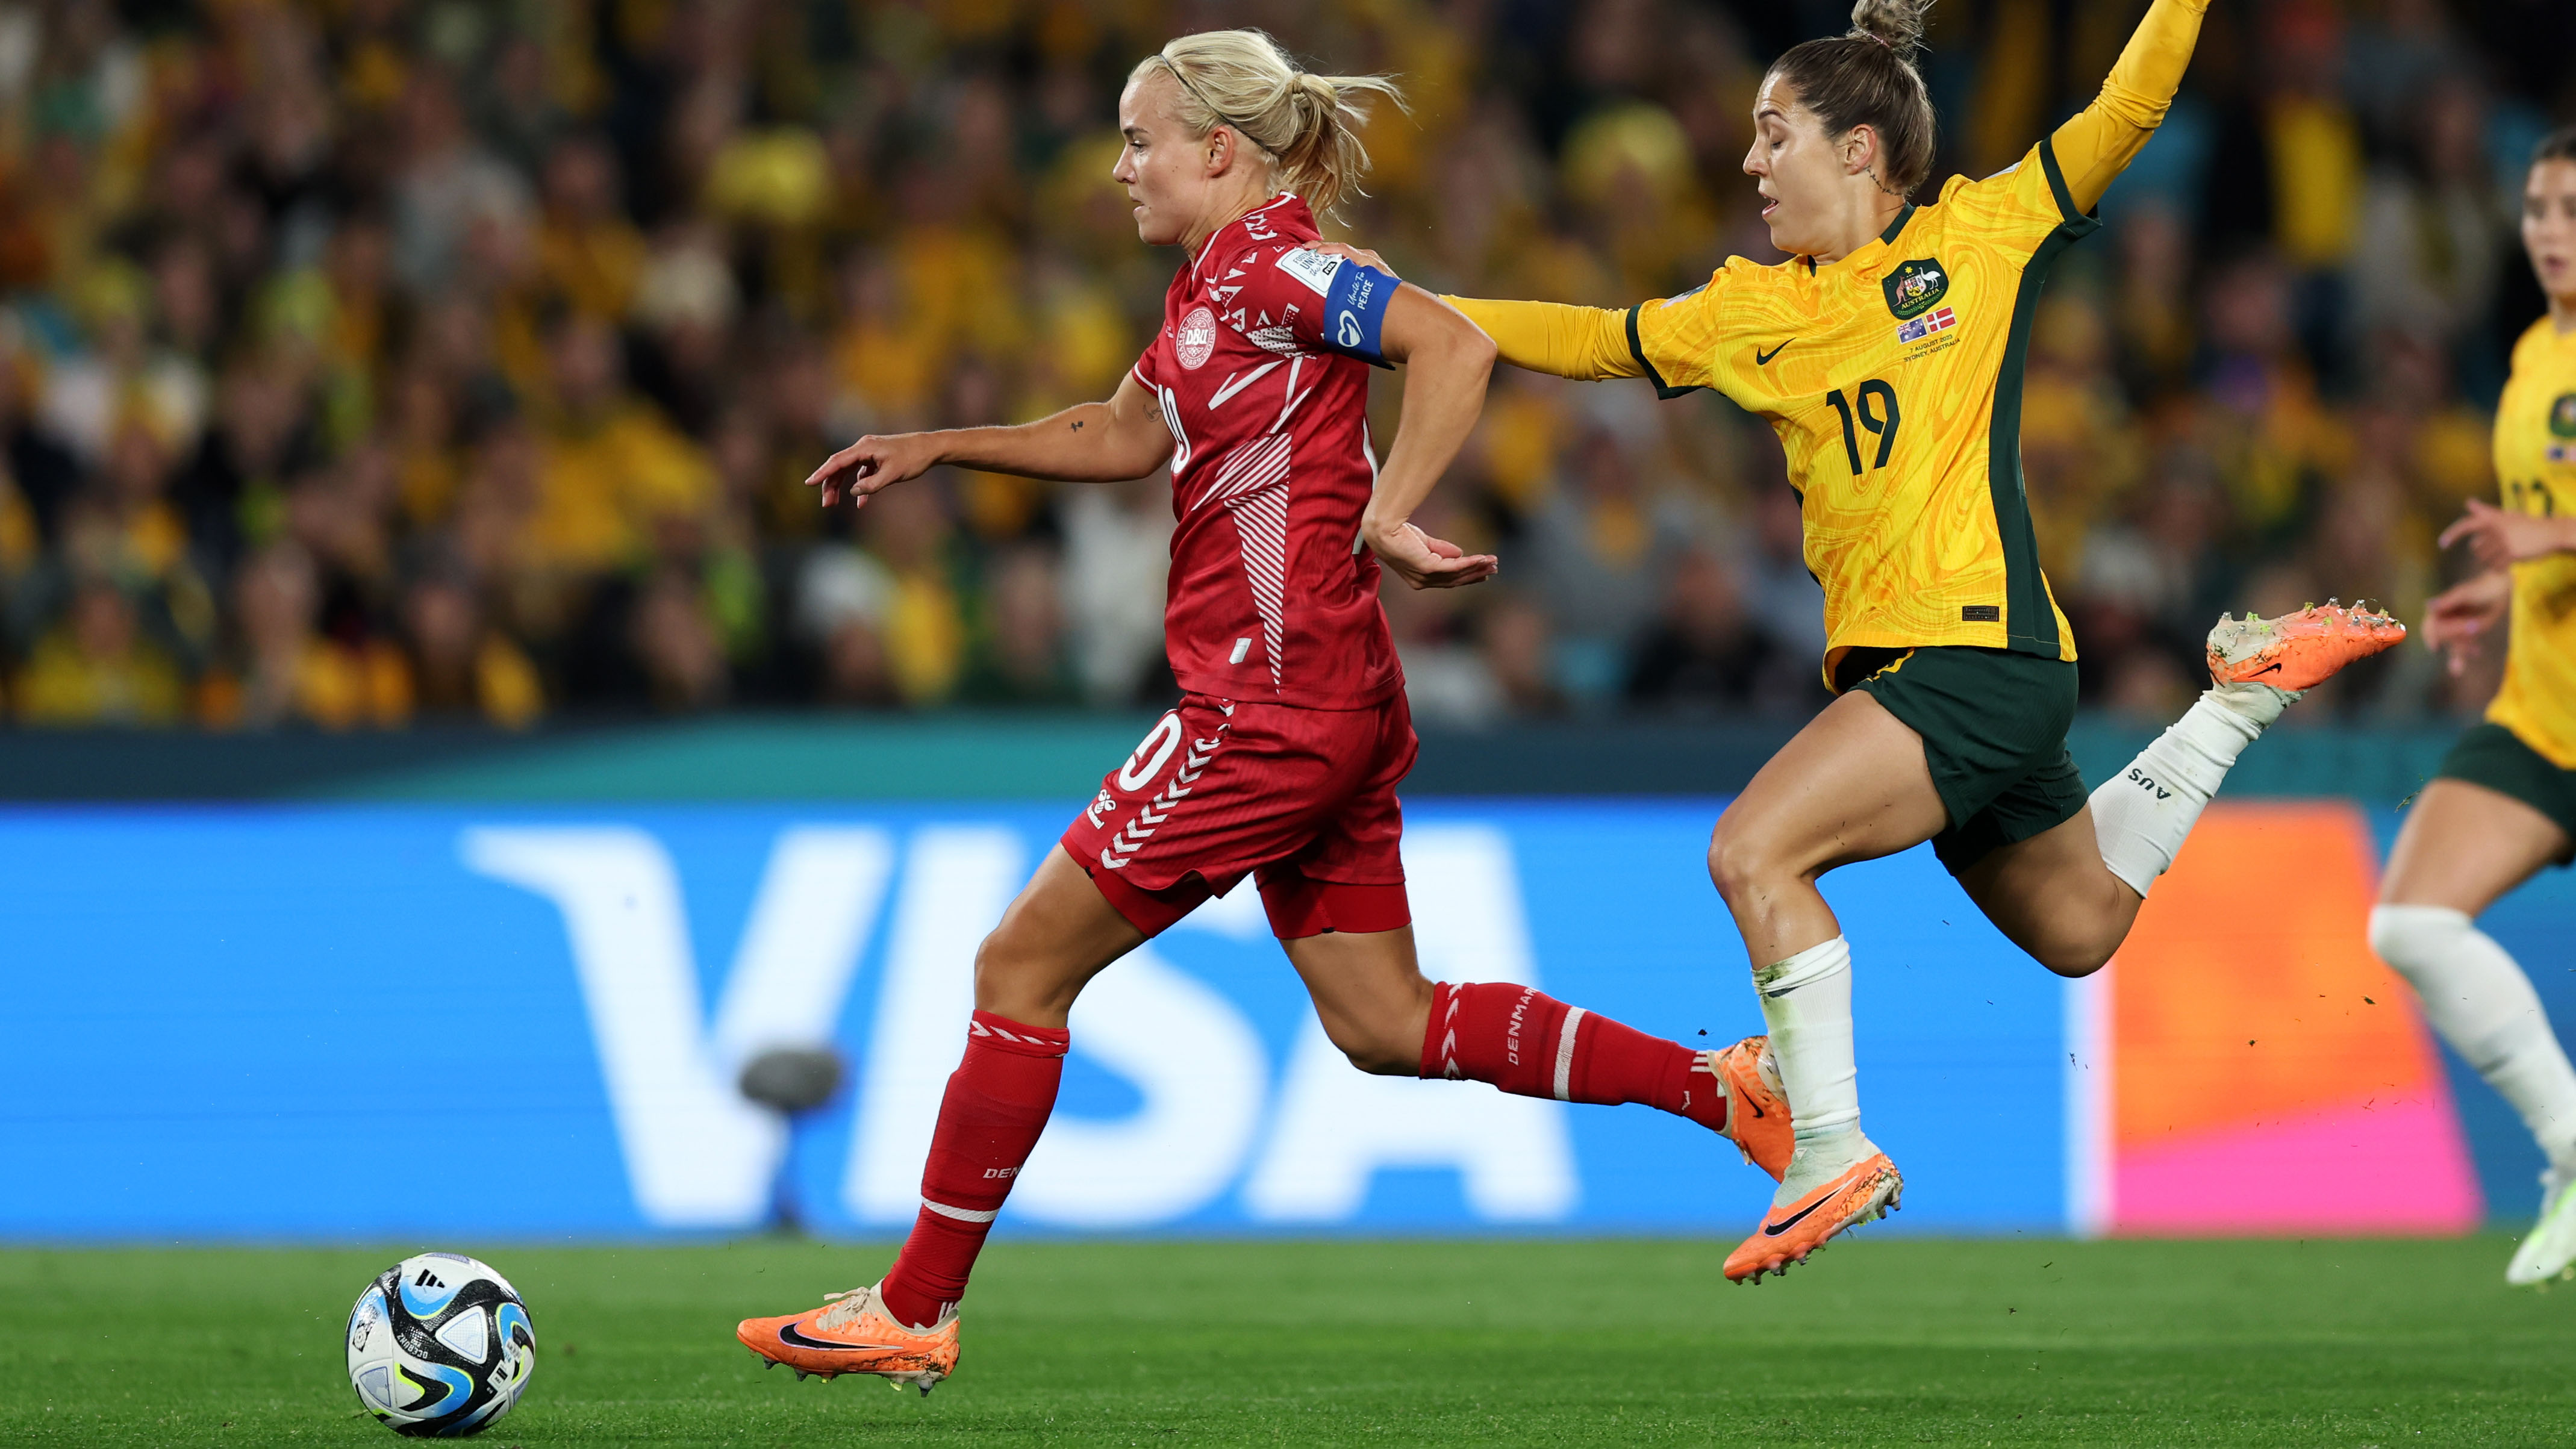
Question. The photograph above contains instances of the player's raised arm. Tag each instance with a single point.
(2100, 141)
(1447, 361)
(1089, 443)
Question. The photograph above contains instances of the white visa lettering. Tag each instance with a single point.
(697, 1155)
(956, 881)
(1203, 1078)
(1336, 1129)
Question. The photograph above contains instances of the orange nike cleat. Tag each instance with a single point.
(853, 1334)
(2297, 651)
(1791, 1231)
(1757, 1108)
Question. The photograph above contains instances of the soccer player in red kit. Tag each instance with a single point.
(1282, 760)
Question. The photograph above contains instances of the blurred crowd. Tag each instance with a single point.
(365, 362)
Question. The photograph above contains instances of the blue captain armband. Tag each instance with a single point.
(1355, 304)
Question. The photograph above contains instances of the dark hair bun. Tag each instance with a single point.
(1896, 24)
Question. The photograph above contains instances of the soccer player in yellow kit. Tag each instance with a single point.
(2504, 804)
(1887, 353)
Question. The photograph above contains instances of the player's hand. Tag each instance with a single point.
(1361, 255)
(2499, 537)
(1426, 562)
(2458, 619)
(873, 463)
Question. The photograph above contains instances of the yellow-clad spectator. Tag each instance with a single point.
(1630, 169)
(462, 665)
(587, 251)
(890, 349)
(2261, 416)
(612, 462)
(2312, 137)
(923, 623)
(96, 668)
(2080, 453)
(285, 671)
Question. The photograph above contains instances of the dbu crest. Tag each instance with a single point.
(1914, 286)
(1196, 338)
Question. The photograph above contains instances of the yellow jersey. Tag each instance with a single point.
(2535, 459)
(1893, 375)
(1893, 378)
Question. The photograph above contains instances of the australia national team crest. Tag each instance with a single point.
(1915, 287)
(2562, 416)
(1195, 339)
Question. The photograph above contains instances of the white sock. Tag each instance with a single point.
(2141, 815)
(2483, 1005)
(1806, 1001)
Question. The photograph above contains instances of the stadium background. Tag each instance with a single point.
(443, 722)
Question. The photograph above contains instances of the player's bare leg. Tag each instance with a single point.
(2462, 847)
(2069, 894)
(1855, 785)
(2053, 896)
(1851, 786)
(1058, 934)
(1379, 1009)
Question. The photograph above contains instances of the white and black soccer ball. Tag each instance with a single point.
(440, 1346)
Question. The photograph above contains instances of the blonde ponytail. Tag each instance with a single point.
(1306, 124)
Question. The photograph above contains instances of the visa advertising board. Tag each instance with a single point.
(339, 1022)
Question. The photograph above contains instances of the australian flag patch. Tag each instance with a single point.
(1924, 326)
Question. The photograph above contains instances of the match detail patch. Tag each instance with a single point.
(1314, 269)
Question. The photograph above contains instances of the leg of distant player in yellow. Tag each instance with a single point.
(2462, 847)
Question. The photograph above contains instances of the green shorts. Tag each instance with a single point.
(1993, 724)
(2496, 757)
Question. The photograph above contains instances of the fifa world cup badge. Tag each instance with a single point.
(1914, 287)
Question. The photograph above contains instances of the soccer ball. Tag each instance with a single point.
(440, 1346)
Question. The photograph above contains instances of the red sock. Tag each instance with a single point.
(1536, 1046)
(996, 1105)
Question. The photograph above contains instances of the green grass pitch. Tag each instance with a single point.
(1888, 1341)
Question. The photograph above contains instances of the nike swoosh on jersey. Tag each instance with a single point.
(790, 1335)
(1773, 1230)
(1763, 359)
(1238, 383)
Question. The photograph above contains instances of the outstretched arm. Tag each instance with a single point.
(1589, 344)
(2100, 142)
(1092, 443)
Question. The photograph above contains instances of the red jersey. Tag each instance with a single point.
(1261, 371)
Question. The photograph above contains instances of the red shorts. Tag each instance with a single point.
(1302, 799)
